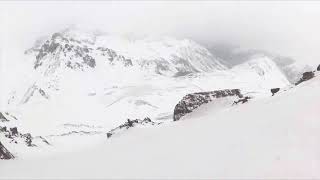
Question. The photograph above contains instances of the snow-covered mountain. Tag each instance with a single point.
(112, 99)
(233, 56)
(82, 85)
(78, 50)
(105, 76)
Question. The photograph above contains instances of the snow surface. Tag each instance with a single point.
(272, 137)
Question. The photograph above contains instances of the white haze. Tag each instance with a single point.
(288, 28)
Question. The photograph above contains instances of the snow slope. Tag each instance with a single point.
(274, 137)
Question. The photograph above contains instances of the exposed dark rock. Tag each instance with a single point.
(113, 56)
(69, 51)
(2, 117)
(242, 100)
(4, 153)
(43, 93)
(318, 68)
(28, 139)
(14, 135)
(89, 61)
(44, 140)
(80, 133)
(46, 48)
(11, 116)
(194, 100)
(305, 77)
(14, 131)
(130, 124)
(274, 91)
(3, 129)
(59, 45)
(5, 117)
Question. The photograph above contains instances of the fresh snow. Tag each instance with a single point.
(274, 137)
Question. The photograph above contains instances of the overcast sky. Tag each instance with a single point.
(288, 28)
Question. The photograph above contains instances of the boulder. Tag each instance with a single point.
(318, 69)
(274, 91)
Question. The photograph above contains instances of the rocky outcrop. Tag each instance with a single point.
(15, 136)
(318, 69)
(305, 77)
(4, 153)
(194, 100)
(274, 91)
(130, 124)
(242, 100)
(113, 56)
(62, 48)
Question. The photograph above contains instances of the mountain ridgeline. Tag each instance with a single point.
(81, 50)
(93, 60)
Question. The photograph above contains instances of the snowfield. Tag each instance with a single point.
(101, 106)
(274, 137)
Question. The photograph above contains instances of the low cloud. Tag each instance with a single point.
(287, 28)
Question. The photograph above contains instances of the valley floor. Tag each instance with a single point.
(276, 137)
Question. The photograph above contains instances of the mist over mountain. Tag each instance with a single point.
(234, 55)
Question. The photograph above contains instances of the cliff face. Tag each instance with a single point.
(195, 100)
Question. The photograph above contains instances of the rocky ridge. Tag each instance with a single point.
(195, 100)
